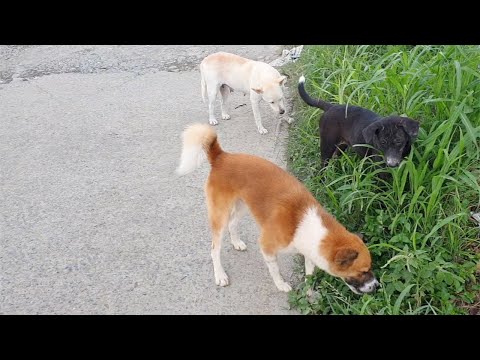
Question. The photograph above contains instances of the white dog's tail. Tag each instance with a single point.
(198, 140)
(204, 86)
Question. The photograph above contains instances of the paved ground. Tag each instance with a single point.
(92, 218)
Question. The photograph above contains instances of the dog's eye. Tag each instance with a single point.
(272, 102)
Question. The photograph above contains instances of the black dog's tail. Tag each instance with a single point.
(310, 101)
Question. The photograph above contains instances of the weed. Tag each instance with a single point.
(417, 224)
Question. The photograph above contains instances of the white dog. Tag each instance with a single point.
(228, 72)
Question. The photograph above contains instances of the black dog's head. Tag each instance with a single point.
(393, 136)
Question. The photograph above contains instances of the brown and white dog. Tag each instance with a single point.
(227, 72)
(289, 216)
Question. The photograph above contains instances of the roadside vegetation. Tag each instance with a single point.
(417, 224)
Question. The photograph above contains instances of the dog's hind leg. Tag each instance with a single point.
(327, 149)
(238, 211)
(212, 90)
(341, 148)
(204, 86)
(218, 213)
(329, 138)
(225, 92)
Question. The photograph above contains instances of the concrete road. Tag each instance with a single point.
(92, 218)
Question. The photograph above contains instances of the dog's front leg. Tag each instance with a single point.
(286, 115)
(309, 267)
(225, 92)
(255, 99)
(212, 96)
(274, 270)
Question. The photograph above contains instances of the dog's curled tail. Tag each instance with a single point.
(198, 140)
(310, 101)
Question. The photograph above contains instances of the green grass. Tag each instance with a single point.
(417, 224)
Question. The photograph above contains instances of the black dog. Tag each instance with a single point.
(347, 126)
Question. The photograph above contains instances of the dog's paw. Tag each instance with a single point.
(284, 286)
(239, 245)
(221, 279)
(213, 122)
(262, 130)
(225, 117)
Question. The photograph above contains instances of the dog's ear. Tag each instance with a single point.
(370, 130)
(258, 90)
(411, 126)
(345, 257)
(282, 80)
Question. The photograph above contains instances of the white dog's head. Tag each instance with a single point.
(272, 93)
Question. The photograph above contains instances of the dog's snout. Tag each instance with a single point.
(282, 111)
(392, 162)
(369, 287)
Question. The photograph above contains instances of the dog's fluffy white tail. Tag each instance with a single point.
(198, 140)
